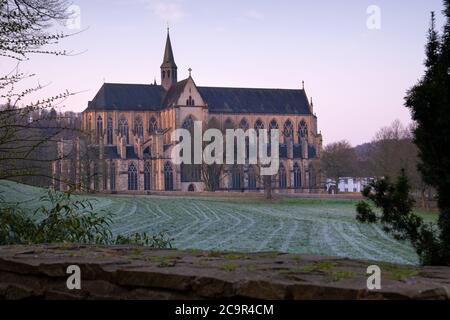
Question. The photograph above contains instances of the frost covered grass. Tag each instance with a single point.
(316, 226)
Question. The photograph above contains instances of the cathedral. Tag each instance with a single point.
(127, 143)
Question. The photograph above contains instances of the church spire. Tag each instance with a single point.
(168, 67)
(169, 60)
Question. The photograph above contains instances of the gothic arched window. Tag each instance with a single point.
(152, 126)
(188, 123)
(105, 177)
(297, 177)
(112, 177)
(96, 177)
(302, 130)
(147, 176)
(243, 124)
(282, 177)
(288, 129)
(132, 177)
(138, 127)
(236, 177)
(89, 123)
(214, 123)
(99, 128)
(196, 173)
(190, 101)
(190, 172)
(258, 125)
(109, 131)
(273, 125)
(312, 177)
(123, 128)
(168, 177)
(229, 124)
(252, 178)
(183, 172)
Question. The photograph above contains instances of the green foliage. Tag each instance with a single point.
(342, 275)
(61, 218)
(160, 240)
(229, 267)
(397, 217)
(429, 102)
(68, 220)
(15, 227)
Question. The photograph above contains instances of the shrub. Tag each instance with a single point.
(61, 218)
(397, 218)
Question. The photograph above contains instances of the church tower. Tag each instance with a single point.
(168, 67)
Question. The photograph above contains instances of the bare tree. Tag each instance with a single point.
(28, 130)
(393, 151)
(338, 160)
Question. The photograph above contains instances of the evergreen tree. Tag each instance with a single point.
(429, 102)
(396, 205)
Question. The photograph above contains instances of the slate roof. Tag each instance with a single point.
(136, 97)
(248, 100)
(127, 97)
(174, 92)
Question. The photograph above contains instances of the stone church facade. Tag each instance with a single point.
(128, 144)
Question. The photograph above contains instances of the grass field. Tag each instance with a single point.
(326, 227)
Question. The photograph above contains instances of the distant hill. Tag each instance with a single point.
(363, 150)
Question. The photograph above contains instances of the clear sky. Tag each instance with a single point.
(356, 76)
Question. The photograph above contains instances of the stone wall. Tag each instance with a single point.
(142, 273)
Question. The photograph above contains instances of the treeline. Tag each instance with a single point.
(28, 142)
(391, 150)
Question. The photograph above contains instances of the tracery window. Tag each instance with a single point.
(138, 127)
(132, 177)
(282, 177)
(123, 128)
(288, 129)
(99, 128)
(147, 176)
(302, 130)
(168, 177)
(297, 177)
(152, 125)
(109, 131)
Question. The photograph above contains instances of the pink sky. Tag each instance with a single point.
(356, 76)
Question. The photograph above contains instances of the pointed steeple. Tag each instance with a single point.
(169, 60)
(168, 67)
